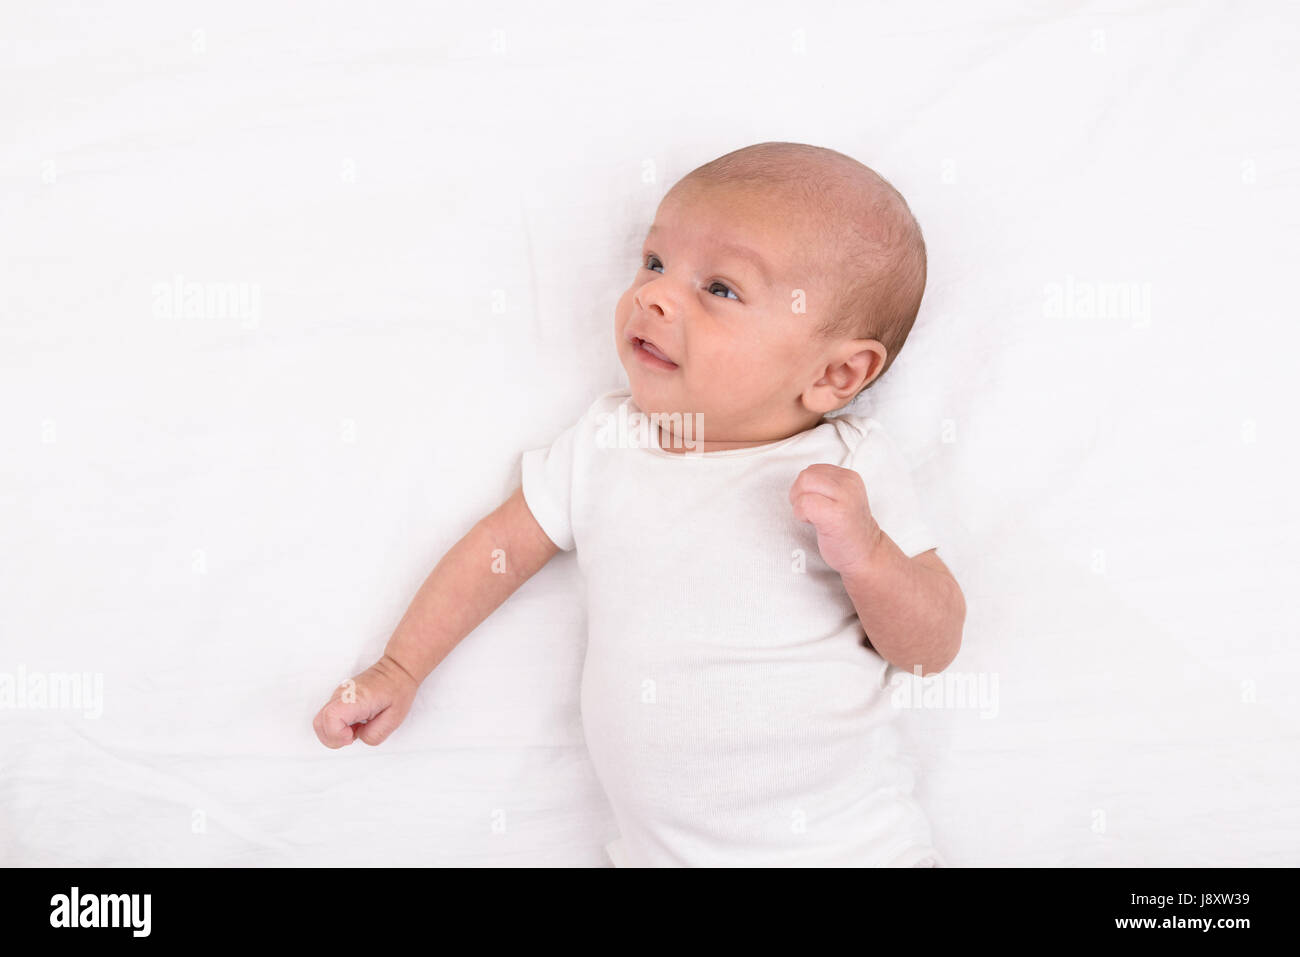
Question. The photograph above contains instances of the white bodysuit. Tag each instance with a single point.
(733, 712)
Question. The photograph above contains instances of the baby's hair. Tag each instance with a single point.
(877, 252)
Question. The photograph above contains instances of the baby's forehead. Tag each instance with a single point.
(794, 237)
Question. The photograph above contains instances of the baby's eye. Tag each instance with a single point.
(724, 286)
(653, 257)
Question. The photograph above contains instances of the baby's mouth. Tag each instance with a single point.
(651, 353)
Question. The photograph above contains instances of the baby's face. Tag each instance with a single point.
(710, 324)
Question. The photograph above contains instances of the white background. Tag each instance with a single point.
(438, 206)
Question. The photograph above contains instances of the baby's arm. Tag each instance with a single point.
(477, 574)
(912, 609)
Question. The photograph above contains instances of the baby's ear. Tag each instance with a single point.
(876, 358)
(848, 370)
(860, 362)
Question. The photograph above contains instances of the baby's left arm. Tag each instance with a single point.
(912, 609)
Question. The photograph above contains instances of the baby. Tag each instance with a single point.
(754, 564)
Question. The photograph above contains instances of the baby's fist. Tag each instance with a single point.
(368, 707)
(834, 501)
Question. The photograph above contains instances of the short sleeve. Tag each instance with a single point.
(547, 481)
(553, 478)
(890, 492)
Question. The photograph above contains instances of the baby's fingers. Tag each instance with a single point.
(378, 728)
(829, 480)
(815, 508)
(334, 722)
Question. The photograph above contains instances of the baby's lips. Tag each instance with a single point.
(655, 351)
(651, 347)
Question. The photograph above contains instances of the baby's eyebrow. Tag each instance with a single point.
(744, 252)
(740, 252)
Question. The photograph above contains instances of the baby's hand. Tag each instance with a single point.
(369, 706)
(834, 501)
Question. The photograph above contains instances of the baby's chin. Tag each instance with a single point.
(647, 404)
(668, 393)
(654, 395)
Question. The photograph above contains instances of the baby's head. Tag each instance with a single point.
(779, 281)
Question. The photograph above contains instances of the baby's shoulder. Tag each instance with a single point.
(856, 429)
(868, 445)
(608, 405)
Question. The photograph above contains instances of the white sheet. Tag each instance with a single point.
(436, 208)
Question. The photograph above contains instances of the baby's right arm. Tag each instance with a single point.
(470, 582)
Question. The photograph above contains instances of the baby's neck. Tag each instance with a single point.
(669, 442)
